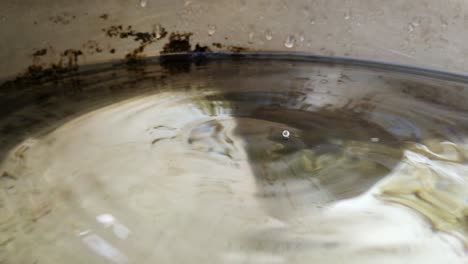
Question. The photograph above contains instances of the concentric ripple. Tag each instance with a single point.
(189, 164)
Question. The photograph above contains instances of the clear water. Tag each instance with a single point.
(193, 167)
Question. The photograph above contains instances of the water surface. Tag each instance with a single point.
(186, 162)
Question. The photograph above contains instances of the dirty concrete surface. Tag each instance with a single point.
(424, 32)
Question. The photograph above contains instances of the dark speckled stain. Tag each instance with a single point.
(217, 45)
(228, 47)
(135, 55)
(199, 48)
(104, 16)
(236, 48)
(71, 57)
(64, 18)
(112, 31)
(139, 36)
(36, 73)
(178, 42)
(91, 47)
(144, 38)
(39, 53)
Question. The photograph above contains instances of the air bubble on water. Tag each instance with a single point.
(143, 3)
(211, 30)
(286, 133)
(268, 35)
(346, 16)
(312, 22)
(105, 219)
(251, 35)
(290, 41)
(375, 139)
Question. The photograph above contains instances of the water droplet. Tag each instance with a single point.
(211, 30)
(160, 31)
(251, 35)
(290, 41)
(143, 3)
(268, 35)
(286, 133)
(444, 23)
(412, 26)
(301, 38)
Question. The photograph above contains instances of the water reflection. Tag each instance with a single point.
(195, 167)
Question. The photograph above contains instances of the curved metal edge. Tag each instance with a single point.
(434, 73)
